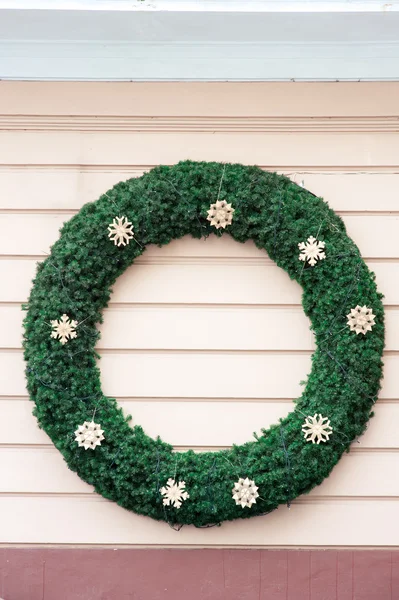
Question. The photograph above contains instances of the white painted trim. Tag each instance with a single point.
(208, 123)
(162, 45)
(307, 6)
(184, 61)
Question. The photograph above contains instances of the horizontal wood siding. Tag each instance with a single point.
(63, 144)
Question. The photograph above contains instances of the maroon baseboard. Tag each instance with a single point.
(220, 574)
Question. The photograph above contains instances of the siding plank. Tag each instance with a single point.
(70, 188)
(375, 236)
(95, 521)
(43, 470)
(191, 328)
(266, 375)
(193, 423)
(112, 148)
(195, 98)
(210, 282)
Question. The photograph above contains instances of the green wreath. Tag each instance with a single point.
(73, 285)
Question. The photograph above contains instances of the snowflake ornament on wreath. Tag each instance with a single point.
(245, 492)
(64, 329)
(89, 435)
(311, 251)
(317, 429)
(220, 214)
(120, 231)
(174, 493)
(361, 319)
(169, 203)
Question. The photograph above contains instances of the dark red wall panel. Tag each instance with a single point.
(220, 574)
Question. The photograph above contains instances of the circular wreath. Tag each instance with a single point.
(73, 285)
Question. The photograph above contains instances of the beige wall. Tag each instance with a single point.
(61, 145)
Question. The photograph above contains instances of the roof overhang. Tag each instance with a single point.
(203, 40)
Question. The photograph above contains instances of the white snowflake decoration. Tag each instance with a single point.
(361, 319)
(311, 251)
(89, 435)
(245, 492)
(64, 329)
(120, 231)
(174, 493)
(317, 429)
(220, 214)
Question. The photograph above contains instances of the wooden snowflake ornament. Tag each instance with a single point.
(311, 251)
(64, 329)
(317, 429)
(220, 214)
(89, 435)
(245, 492)
(120, 231)
(174, 493)
(361, 319)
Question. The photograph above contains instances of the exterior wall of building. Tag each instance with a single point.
(63, 144)
(198, 574)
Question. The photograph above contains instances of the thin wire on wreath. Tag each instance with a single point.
(339, 312)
